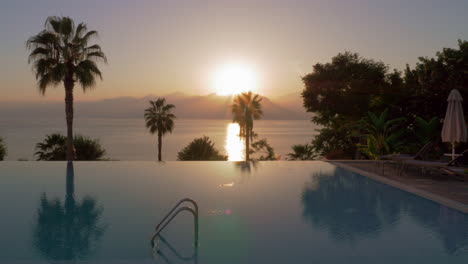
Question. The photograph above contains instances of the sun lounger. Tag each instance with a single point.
(447, 168)
(418, 156)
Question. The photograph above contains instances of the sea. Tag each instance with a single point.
(128, 139)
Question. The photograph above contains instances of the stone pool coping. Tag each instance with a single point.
(402, 186)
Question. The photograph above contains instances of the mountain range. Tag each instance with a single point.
(209, 106)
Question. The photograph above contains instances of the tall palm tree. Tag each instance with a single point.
(159, 119)
(245, 109)
(61, 53)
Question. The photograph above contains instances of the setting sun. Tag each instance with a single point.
(234, 79)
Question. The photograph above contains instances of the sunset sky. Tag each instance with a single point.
(160, 47)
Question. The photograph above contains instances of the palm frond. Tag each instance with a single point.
(60, 44)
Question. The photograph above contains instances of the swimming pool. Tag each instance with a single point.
(266, 212)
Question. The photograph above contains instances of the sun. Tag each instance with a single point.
(232, 79)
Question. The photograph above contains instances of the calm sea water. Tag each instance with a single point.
(128, 139)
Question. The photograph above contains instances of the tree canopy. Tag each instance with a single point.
(342, 92)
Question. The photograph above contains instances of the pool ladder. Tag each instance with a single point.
(173, 213)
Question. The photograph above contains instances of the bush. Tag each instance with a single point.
(200, 149)
(54, 147)
(3, 149)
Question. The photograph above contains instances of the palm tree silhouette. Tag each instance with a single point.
(68, 231)
(159, 119)
(301, 152)
(54, 148)
(245, 109)
(61, 53)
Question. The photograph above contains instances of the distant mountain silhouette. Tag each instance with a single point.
(210, 106)
(293, 102)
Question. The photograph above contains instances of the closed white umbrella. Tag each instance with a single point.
(454, 129)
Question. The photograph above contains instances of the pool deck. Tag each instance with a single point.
(438, 188)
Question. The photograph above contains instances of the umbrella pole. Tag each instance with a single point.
(453, 150)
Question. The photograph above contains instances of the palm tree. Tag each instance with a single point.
(245, 109)
(61, 53)
(54, 147)
(301, 152)
(159, 119)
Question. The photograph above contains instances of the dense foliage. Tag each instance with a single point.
(54, 147)
(63, 53)
(261, 150)
(3, 149)
(200, 149)
(342, 92)
(382, 135)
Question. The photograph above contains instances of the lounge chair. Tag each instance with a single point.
(454, 168)
(401, 157)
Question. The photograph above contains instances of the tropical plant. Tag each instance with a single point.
(54, 147)
(264, 150)
(245, 109)
(302, 152)
(3, 149)
(61, 53)
(200, 149)
(343, 91)
(88, 148)
(160, 119)
(382, 135)
(427, 131)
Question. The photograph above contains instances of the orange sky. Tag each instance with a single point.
(159, 47)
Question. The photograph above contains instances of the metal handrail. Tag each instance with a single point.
(175, 252)
(172, 215)
(195, 205)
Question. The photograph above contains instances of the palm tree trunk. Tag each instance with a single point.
(159, 146)
(247, 144)
(69, 83)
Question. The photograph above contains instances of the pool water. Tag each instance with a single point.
(265, 212)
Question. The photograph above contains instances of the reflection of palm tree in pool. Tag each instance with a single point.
(352, 207)
(69, 231)
(246, 166)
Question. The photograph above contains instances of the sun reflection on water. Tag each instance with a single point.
(234, 144)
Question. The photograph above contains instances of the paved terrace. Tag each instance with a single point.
(432, 184)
